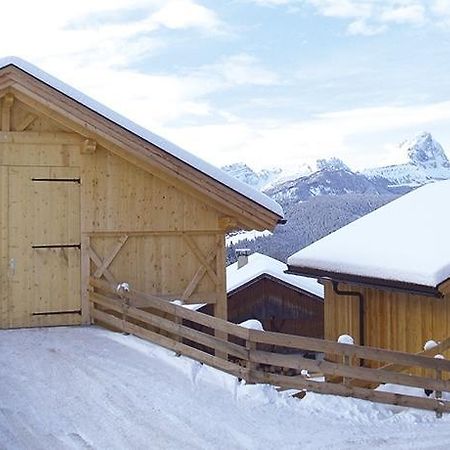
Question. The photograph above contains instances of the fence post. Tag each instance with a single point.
(121, 288)
(346, 359)
(86, 289)
(438, 394)
(250, 345)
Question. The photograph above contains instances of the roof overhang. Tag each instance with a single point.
(250, 208)
(372, 282)
(276, 280)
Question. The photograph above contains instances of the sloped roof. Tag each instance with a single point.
(259, 264)
(406, 241)
(168, 147)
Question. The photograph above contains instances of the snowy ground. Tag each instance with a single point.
(82, 388)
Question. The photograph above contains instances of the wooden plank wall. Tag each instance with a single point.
(118, 196)
(393, 320)
(278, 307)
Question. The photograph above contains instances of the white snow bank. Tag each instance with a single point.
(406, 240)
(259, 264)
(147, 135)
(80, 388)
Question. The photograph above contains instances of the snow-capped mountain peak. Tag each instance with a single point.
(332, 164)
(259, 180)
(427, 162)
(424, 151)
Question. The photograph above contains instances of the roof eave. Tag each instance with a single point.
(365, 281)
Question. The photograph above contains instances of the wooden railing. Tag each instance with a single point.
(249, 354)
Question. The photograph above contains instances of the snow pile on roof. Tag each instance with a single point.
(143, 133)
(85, 388)
(259, 264)
(406, 240)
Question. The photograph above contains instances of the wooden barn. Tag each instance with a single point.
(387, 275)
(86, 193)
(258, 288)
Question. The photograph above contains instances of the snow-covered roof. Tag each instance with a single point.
(407, 240)
(259, 264)
(170, 148)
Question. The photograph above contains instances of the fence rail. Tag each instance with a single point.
(249, 353)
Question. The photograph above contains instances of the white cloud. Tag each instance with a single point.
(414, 14)
(185, 14)
(441, 7)
(343, 8)
(95, 55)
(362, 137)
(240, 69)
(371, 17)
(49, 32)
(362, 28)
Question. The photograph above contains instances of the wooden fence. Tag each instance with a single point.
(248, 353)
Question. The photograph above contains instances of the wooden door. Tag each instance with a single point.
(43, 262)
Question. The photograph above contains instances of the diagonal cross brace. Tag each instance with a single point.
(103, 266)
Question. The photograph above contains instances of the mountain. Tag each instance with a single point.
(427, 162)
(329, 181)
(266, 178)
(320, 202)
(309, 221)
(258, 180)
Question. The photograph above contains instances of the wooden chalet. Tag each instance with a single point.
(86, 194)
(387, 275)
(259, 288)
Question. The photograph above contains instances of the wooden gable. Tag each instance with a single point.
(50, 110)
(82, 198)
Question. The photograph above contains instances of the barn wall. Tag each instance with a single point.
(172, 240)
(118, 195)
(393, 320)
(278, 307)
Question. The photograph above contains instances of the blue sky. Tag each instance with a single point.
(267, 82)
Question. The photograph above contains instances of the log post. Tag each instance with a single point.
(221, 305)
(250, 345)
(438, 394)
(86, 289)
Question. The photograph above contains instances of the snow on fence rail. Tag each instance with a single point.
(247, 353)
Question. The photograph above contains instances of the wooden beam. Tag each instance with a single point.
(345, 391)
(8, 101)
(204, 260)
(110, 258)
(98, 262)
(85, 274)
(26, 122)
(227, 223)
(89, 147)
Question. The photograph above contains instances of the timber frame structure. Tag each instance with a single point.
(84, 193)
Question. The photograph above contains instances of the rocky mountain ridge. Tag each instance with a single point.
(321, 201)
(426, 162)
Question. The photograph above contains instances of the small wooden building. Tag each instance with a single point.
(260, 289)
(387, 275)
(86, 193)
